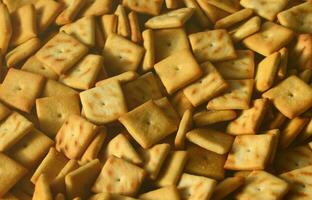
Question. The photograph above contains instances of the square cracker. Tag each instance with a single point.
(185, 125)
(121, 55)
(96, 8)
(165, 105)
(70, 11)
(169, 41)
(196, 187)
(24, 23)
(246, 29)
(74, 136)
(242, 67)
(122, 78)
(35, 66)
(150, 7)
(61, 52)
(140, 90)
(172, 19)
(233, 19)
(237, 96)
(202, 162)
(213, 13)
(53, 111)
(213, 45)
(205, 118)
(250, 152)
(31, 148)
(83, 75)
(227, 186)
(249, 121)
(262, 185)
(20, 89)
(11, 172)
(181, 65)
(104, 104)
(267, 9)
(13, 129)
(180, 102)
(136, 35)
(123, 26)
(291, 97)
(297, 18)
(148, 38)
(271, 37)
(208, 86)
(125, 178)
(230, 6)
(55, 88)
(164, 193)
(148, 124)
(199, 15)
(301, 53)
(5, 28)
(42, 189)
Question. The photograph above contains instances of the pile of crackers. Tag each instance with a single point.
(155, 99)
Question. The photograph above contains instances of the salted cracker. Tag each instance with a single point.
(70, 11)
(205, 118)
(96, 8)
(165, 193)
(121, 78)
(180, 102)
(230, 6)
(185, 125)
(227, 186)
(136, 35)
(55, 88)
(234, 18)
(150, 7)
(42, 189)
(300, 55)
(6, 30)
(283, 65)
(165, 105)
(149, 46)
(213, 13)
(246, 29)
(35, 66)
(108, 24)
(123, 26)
(199, 14)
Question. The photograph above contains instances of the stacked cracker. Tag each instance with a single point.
(155, 100)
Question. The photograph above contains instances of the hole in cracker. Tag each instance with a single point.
(42, 68)
(176, 68)
(290, 94)
(248, 150)
(168, 44)
(18, 88)
(210, 45)
(120, 57)
(259, 189)
(103, 103)
(59, 115)
(118, 179)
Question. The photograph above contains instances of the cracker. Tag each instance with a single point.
(24, 25)
(150, 7)
(121, 55)
(61, 52)
(149, 46)
(263, 185)
(180, 103)
(35, 66)
(211, 140)
(234, 18)
(301, 54)
(185, 125)
(181, 65)
(230, 6)
(120, 147)
(269, 39)
(136, 35)
(297, 18)
(6, 30)
(249, 121)
(306, 75)
(123, 26)
(4, 112)
(80, 180)
(46, 13)
(51, 165)
(108, 24)
(148, 124)
(291, 130)
(121, 78)
(42, 189)
(165, 193)
(15, 4)
(267, 9)
(172, 19)
(96, 8)
(196, 187)
(237, 96)
(11, 173)
(202, 162)
(213, 45)
(213, 13)
(205, 118)
(199, 15)
(22, 52)
(169, 41)
(172, 4)
(282, 68)
(250, 152)
(99, 39)
(208, 86)
(306, 132)
(248, 28)
(74, 136)
(276, 135)
(103, 104)
(82, 29)
(31, 148)
(227, 186)
(53, 111)
(70, 11)
(242, 67)
(83, 75)
(55, 88)
(300, 183)
(172, 169)
(291, 97)
(165, 105)
(125, 178)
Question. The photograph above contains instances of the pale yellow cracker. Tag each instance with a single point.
(74, 136)
(164, 193)
(242, 67)
(61, 52)
(172, 169)
(108, 24)
(205, 118)
(70, 11)
(250, 120)
(237, 96)
(181, 65)
(185, 125)
(104, 104)
(230, 6)
(151, 7)
(83, 75)
(227, 186)
(180, 102)
(4, 111)
(55, 88)
(97, 7)
(22, 52)
(213, 13)
(271, 37)
(282, 68)
(165, 105)
(248, 28)
(262, 185)
(215, 45)
(291, 97)
(123, 26)
(300, 56)
(121, 78)
(53, 111)
(121, 55)
(126, 178)
(46, 13)
(42, 189)
(6, 29)
(199, 15)
(233, 19)
(149, 46)
(136, 35)
(208, 86)
(297, 18)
